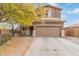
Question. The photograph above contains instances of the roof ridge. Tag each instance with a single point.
(53, 6)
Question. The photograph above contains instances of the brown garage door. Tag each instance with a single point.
(48, 31)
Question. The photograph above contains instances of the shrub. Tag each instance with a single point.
(5, 37)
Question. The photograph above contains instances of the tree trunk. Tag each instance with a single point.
(12, 30)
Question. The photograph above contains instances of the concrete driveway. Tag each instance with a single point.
(48, 46)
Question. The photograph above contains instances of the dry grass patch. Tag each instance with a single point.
(16, 46)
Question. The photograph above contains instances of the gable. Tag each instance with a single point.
(52, 11)
(53, 7)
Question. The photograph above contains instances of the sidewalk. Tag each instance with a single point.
(17, 46)
(73, 39)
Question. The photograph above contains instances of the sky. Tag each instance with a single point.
(69, 13)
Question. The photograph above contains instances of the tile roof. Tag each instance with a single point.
(73, 26)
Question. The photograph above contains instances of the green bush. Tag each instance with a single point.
(5, 37)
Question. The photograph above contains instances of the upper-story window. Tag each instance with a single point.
(49, 13)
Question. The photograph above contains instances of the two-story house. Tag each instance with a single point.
(50, 25)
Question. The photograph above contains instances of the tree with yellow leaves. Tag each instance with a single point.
(29, 16)
(10, 13)
(41, 11)
(22, 14)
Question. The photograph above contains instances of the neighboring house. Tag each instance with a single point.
(4, 27)
(72, 31)
(3, 31)
(50, 25)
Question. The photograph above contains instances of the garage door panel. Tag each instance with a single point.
(44, 31)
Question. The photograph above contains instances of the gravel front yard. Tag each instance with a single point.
(16, 46)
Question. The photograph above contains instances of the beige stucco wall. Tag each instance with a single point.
(55, 12)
